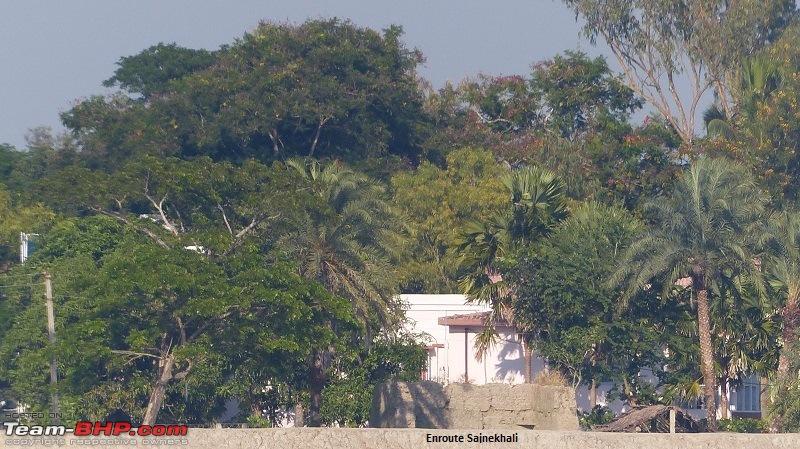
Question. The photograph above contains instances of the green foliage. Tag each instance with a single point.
(9, 158)
(784, 392)
(218, 206)
(325, 88)
(744, 425)
(504, 104)
(348, 398)
(569, 116)
(537, 203)
(763, 133)
(44, 155)
(438, 202)
(598, 416)
(658, 42)
(581, 95)
(152, 70)
(16, 218)
(348, 244)
(487, 248)
(573, 315)
(257, 421)
(300, 261)
(568, 96)
(745, 330)
(123, 301)
(701, 231)
(706, 231)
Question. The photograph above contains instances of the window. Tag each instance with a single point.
(748, 395)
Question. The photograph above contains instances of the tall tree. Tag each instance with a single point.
(562, 297)
(438, 202)
(660, 43)
(346, 245)
(581, 95)
(152, 70)
(536, 205)
(744, 335)
(322, 88)
(765, 133)
(704, 231)
(782, 266)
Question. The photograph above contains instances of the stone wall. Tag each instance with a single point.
(292, 438)
(429, 405)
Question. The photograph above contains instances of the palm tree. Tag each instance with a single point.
(783, 270)
(757, 79)
(744, 331)
(705, 231)
(536, 205)
(346, 245)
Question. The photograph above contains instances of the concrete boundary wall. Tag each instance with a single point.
(325, 438)
(430, 405)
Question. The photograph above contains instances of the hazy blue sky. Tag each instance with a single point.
(52, 53)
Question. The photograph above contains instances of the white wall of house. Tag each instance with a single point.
(505, 362)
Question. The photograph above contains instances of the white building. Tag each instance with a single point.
(448, 326)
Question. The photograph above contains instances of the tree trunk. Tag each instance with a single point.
(316, 135)
(159, 391)
(593, 386)
(273, 135)
(790, 322)
(316, 384)
(790, 317)
(706, 355)
(723, 398)
(298, 415)
(528, 361)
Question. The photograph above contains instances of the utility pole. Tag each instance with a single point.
(51, 333)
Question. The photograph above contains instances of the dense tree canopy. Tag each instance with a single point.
(705, 231)
(323, 88)
(562, 296)
(237, 223)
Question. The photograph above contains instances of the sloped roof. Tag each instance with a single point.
(653, 418)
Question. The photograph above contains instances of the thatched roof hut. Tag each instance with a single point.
(653, 418)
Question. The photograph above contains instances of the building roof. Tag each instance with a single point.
(469, 319)
(654, 418)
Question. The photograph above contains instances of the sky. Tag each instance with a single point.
(52, 54)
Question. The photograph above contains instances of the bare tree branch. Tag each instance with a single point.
(126, 221)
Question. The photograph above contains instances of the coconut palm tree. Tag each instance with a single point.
(537, 204)
(704, 231)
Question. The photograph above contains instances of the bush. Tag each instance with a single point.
(598, 416)
(743, 425)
